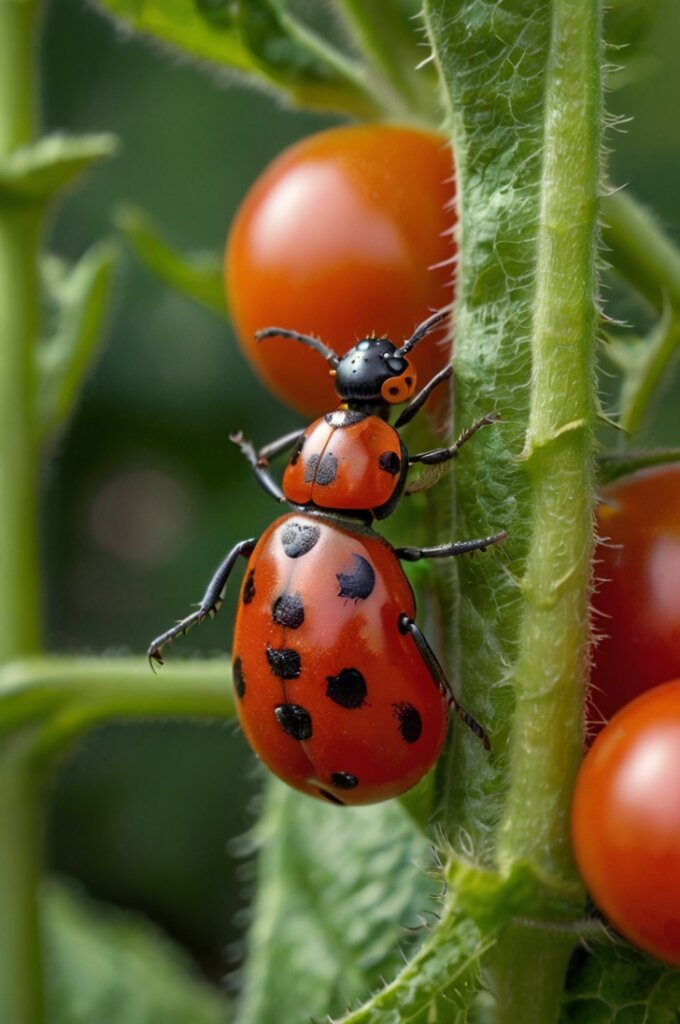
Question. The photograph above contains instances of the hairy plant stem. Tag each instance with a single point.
(525, 94)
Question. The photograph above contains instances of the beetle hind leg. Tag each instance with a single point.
(407, 625)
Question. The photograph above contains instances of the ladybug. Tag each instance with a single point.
(337, 689)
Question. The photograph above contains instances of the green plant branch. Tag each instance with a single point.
(63, 696)
(644, 362)
(388, 40)
(638, 249)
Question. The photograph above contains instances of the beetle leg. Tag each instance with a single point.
(209, 606)
(438, 455)
(407, 625)
(461, 547)
(259, 461)
(416, 404)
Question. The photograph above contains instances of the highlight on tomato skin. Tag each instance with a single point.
(346, 234)
(626, 822)
(637, 598)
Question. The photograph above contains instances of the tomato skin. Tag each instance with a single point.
(340, 237)
(637, 599)
(626, 821)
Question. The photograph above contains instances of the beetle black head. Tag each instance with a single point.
(374, 371)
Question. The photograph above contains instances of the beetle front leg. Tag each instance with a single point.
(259, 460)
(209, 606)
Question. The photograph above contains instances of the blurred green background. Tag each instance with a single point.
(143, 493)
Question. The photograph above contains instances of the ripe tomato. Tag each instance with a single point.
(347, 233)
(638, 595)
(626, 821)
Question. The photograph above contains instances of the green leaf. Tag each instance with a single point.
(261, 42)
(335, 889)
(35, 173)
(614, 984)
(111, 967)
(80, 299)
(195, 274)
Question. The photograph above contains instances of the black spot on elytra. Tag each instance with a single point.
(343, 780)
(284, 662)
(249, 587)
(410, 722)
(238, 678)
(299, 538)
(297, 449)
(390, 462)
(288, 611)
(295, 720)
(331, 797)
(348, 688)
(321, 471)
(358, 583)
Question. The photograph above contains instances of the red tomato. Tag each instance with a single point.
(347, 233)
(626, 821)
(638, 596)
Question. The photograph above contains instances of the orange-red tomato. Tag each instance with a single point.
(637, 601)
(347, 233)
(626, 821)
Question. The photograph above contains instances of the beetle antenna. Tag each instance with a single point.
(306, 339)
(423, 329)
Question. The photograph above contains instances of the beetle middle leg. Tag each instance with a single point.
(210, 604)
(439, 455)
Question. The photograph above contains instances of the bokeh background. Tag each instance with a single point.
(143, 493)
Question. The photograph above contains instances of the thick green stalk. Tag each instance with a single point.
(19, 306)
(525, 103)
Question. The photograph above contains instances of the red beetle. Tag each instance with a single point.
(337, 689)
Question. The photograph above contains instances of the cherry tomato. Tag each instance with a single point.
(626, 821)
(637, 601)
(347, 233)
